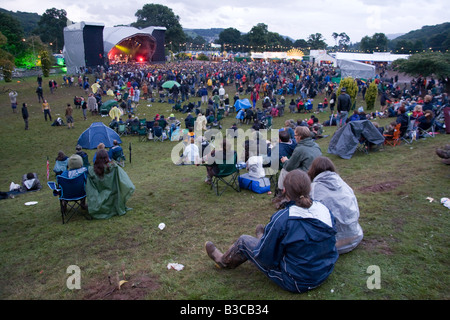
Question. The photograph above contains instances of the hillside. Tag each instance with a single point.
(28, 20)
(208, 34)
(425, 32)
(436, 37)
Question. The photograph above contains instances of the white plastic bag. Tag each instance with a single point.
(14, 186)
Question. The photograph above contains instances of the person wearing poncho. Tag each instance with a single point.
(108, 188)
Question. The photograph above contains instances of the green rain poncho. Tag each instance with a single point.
(107, 196)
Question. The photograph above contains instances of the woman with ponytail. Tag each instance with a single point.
(297, 248)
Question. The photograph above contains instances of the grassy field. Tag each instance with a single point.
(405, 235)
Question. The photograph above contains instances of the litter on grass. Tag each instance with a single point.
(175, 266)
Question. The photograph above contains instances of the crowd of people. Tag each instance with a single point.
(317, 211)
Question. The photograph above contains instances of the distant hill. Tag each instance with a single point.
(425, 32)
(436, 37)
(394, 36)
(28, 20)
(208, 34)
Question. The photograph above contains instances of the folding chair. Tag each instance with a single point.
(228, 174)
(72, 194)
(134, 128)
(122, 129)
(410, 134)
(430, 132)
(268, 122)
(394, 139)
(158, 134)
(119, 157)
(272, 175)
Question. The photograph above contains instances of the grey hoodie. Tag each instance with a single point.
(329, 188)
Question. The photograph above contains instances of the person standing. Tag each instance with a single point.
(13, 99)
(40, 94)
(46, 110)
(69, 117)
(84, 108)
(344, 104)
(25, 115)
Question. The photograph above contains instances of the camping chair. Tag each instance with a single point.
(273, 176)
(158, 134)
(134, 128)
(362, 146)
(394, 139)
(410, 134)
(268, 122)
(122, 129)
(142, 133)
(430, 132)
(71, 195)
(119, 157)
(228, 174)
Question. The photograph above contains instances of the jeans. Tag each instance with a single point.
(246, 246)
(47, 112)
(341, 118)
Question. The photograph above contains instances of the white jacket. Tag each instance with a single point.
(329, 188)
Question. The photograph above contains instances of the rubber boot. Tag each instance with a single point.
(230, 260)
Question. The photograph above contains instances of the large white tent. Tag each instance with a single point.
(385, 57)
(356, 69)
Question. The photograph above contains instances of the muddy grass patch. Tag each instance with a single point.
(376, 245)
(134, 287)
(381, 187)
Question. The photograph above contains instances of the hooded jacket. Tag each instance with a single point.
(298, 248)
(329, 189)
(304, 154)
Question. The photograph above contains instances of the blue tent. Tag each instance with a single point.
(242, 104)
(97, 133)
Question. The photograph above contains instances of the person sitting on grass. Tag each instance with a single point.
(296, 249)
(329, 188)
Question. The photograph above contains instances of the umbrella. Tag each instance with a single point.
(242, 104)
(169, 84)
(98, 133)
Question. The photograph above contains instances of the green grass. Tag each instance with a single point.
(404, 234)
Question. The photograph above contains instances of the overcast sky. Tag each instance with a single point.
(294, 18)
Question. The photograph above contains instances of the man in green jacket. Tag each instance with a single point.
(302, 157)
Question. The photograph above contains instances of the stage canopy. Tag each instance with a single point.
(89, 44)
(126, 44)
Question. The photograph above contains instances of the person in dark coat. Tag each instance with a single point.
(296, 249)
(25, 115)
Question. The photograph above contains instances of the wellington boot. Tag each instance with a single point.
(214, 253)
(230, 260)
